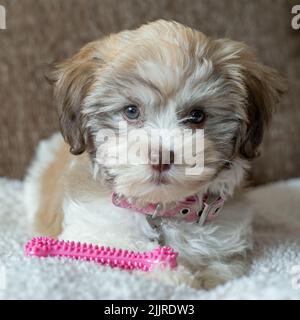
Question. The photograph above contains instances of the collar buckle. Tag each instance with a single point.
(157, 210)
(210, 211)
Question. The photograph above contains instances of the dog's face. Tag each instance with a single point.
(166, 76)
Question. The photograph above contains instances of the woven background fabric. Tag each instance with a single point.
(41, 31)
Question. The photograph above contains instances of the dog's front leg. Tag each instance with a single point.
(99, 222)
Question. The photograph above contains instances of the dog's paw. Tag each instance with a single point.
(205, 278)
(211, 281)
(180, 276)
(219, 272)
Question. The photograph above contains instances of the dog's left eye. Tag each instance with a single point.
(196, 116)
(131, 112)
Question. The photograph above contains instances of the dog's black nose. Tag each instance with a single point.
(161, 166)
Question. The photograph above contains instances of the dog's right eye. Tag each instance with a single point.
(196, 116)
(131, 112)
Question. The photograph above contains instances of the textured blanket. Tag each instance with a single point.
(275, 271)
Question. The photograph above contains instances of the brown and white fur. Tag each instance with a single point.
(166, 69)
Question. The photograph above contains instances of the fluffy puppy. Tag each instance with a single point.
(162, 75)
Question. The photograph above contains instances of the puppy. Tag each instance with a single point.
(161, 76)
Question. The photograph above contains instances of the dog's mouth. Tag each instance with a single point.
(160, 179)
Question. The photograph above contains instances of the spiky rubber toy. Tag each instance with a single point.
(124, 259)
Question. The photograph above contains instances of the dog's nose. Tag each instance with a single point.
(160, 166)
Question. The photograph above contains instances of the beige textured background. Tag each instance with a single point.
(40, 31)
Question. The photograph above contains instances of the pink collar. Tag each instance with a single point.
(192, 209)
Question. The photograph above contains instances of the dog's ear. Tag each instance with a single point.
(261, 87)
(72, 80)
(264, 87)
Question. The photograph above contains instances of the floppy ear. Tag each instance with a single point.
(260, 87)
(72, 81)
(264, 88)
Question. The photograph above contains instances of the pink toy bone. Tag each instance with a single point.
(124, 259)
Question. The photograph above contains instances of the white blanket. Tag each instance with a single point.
(274, 273)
